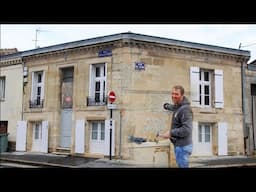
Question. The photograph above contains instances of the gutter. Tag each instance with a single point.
(243, 106)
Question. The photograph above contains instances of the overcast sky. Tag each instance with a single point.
(23, 36)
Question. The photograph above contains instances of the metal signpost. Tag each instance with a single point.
(111, 98)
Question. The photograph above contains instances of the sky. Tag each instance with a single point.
(29, 36)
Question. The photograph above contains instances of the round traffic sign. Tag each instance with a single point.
(111, 96)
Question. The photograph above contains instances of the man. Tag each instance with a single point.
(180, 133)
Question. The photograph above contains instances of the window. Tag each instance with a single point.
(97, 91)
(37, 91)
(37, 130)
(98, 131)
(206, 88)
(204, 133)
(2, 88)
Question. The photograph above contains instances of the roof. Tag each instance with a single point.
(8, 51)
(130, 36)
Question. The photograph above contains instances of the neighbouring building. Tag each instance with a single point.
(11, 94)
(250, 107)
(8, 51)
(66, 108)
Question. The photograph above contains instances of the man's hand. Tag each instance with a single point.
(165, 106)
(165, 135)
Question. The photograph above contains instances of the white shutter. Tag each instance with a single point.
(195, 137)
(107, 138)
(79, 136)
(222, 138)
(21, 136)
(91, 81)
(33, 87)
(106, 72)
(194, 86)
(45, 130)
(219, 100)
(42, 85)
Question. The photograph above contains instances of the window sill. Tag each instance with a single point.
(207, 110)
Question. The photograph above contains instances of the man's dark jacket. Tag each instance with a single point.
(181, 127)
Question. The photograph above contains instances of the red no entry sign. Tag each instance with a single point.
(111, 96)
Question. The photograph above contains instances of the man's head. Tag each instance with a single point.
(177, 94)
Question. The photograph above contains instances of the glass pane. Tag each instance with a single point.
(206, 76)
(38, 90)
(206, 90)
(36, 131)
(207, 129)
(97, 86)
(200, 99)
(200, 134)
(206, 100)
(39, 80)
(97, 97)
(97, 71)
(207, 133)
(102, 132)
(94, 131)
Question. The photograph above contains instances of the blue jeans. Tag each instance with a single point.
(182, 154)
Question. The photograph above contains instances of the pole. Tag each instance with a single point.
(110, 134)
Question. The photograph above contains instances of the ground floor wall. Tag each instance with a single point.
(207, 130)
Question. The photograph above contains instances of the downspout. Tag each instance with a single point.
(243, 106)
(120, 135)
(23, 85)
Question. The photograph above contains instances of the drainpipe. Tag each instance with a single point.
(243, 106)
(120, 136)
(24, 82)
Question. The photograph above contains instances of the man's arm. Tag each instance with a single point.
(165, 135)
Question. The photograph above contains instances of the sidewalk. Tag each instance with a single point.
(67, 161)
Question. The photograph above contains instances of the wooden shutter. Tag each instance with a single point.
(79, 136)
(92, 81)
(194, 86)
(222, 138)
(45, 130)
(21, 136)
(219, 100)
(195, 137)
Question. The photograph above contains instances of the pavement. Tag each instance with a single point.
(29, 159)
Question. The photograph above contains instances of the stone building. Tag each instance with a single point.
(66, 96)
(8, 51)
(11, 91)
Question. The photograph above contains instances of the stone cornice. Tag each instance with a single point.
(78, 50)
(5, 63)
(141, 45)
(182, 50)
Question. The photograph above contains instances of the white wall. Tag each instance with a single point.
(11, 107)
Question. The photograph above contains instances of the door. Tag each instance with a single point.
(97, 137)
(37, 136)
(40, 137)
(205, 139)
(202, 139)
(66, 127)
(66, 106)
